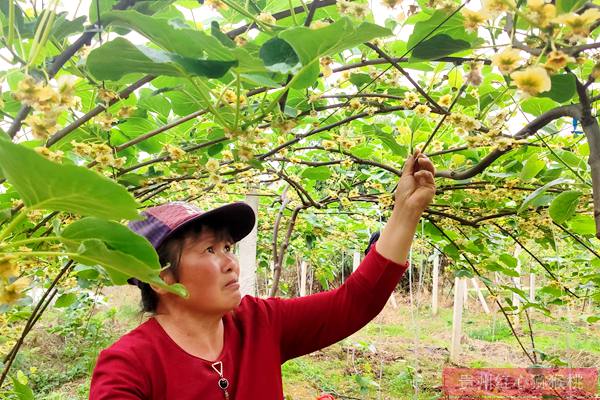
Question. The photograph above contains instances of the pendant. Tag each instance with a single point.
(223, 383)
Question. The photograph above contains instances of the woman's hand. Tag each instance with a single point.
(414, 193)
(416, 187)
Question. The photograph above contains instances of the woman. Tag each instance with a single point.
(216, 345)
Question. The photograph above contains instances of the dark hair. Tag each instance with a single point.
(169, 256)
(374, 237)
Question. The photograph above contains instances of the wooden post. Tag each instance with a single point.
(459, 288)
(531, 288)
(303, 273)
(435, 276)
(355, 260)
(247, 251)
(480, 295)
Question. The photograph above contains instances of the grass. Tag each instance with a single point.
(399, 355)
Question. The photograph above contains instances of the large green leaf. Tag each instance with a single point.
(320, 173)
(539, 191)
(178, 38)
(115, 236)
(120, 266)
(583, 225)
(43, 184)
(279, 56)
(310, 44)
(563, 88)
(439, 46)
(532, 167)
(440, 24)
(121, 252)
(102, 62)
(538, 105)
(564, 205)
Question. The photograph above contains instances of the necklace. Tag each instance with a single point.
(223, 383)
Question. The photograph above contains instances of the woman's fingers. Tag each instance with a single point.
(424, 177)
(409, 165)
(425, 164)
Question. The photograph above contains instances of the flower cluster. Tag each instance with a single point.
(391, 3)
(540, 12)
(473, 19)
(507, 60)
(266, 18)
(174, 152)
(358, 10)
(47, 100)
(578, 25)
(326, 66)
(532, 80)
(55, 156)
(410, 99)
(231, 97)
(11, 286)
(217, 5)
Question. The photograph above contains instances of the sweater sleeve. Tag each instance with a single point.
(117, 376)
(313, 322)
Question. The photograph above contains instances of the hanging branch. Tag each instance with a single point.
(544, 266)
(577, 239)
(33, 318)
(492, 292)
(418, 87)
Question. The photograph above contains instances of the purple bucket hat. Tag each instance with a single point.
(160, 222)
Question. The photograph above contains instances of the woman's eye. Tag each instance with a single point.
(227, 248)
(210, 249)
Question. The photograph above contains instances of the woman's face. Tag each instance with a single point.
(210, 271)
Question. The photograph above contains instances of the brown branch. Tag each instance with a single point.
(492, 292)
(418, 87)
(577, 239)
(544, 266)
(573, 110)
(284, 202)
(58, 63)
(286, 242)
(125, 93)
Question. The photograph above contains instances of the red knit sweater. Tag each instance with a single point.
(259, 336)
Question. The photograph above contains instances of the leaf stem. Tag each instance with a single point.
(13, 224)
(31, 240)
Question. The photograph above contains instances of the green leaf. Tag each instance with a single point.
(21, 389)
(439, 23)
(65, 300)
(45, 185)
(593, 319)
(539, 191)
(133, 58)
(178, 38)
(564, 6)
(320, 173)
(563, 88)
(121, 252)
(508, 260)
(63, 27)
(386, 138)
(439, 46)
(225, 40)
(537, 106)
(564, 205)
(121, 266)
(532, 167)
(279, 56)
(310, 44)
(116, 237)
(583, 225)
